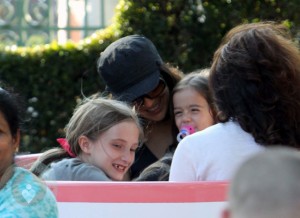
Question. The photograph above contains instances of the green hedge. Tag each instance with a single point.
(53, 77)
(187, 33)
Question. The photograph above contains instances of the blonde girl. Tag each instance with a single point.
(101, 139)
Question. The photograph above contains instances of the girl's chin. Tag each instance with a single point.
(117, 177)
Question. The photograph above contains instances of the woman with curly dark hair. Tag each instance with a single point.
(255, 80)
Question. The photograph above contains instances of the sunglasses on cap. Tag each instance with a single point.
(156, 92)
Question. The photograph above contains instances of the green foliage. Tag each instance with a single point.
(53, 77)
(187, 32)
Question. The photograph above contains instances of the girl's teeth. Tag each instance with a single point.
(119, 167)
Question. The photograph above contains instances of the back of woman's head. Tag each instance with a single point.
(9, 107)
(94, 116)
(255, 78)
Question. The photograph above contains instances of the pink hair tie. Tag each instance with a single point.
(65, 145)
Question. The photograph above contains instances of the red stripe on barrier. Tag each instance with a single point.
(139, 192)
(132, 192)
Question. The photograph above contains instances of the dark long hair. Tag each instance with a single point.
(11, 106)
(172, 75)
(255, 80)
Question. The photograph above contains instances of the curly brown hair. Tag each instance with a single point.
(255, 80)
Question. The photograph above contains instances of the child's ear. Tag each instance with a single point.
(84, 144)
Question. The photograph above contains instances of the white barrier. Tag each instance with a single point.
(139, 199)
(135, 199)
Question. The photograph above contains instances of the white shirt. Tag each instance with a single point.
(212, 154)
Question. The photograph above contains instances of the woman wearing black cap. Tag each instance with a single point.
(134, 72)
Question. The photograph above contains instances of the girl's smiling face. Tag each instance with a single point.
(191, 108)
(114, 150)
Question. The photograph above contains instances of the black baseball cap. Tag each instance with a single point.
(130, 67)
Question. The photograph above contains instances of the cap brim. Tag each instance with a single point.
(143, 87)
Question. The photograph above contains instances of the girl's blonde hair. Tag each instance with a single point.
(94, 116)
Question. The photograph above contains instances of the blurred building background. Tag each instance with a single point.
(31, 22)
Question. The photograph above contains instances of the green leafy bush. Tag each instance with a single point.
(54, 77)
(186, 32)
